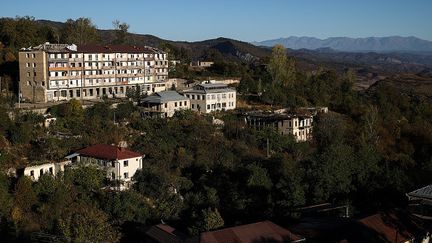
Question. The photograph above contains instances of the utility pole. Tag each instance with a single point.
(19, 94)
(268, 148)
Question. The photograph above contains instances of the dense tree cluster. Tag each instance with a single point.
(368, 152)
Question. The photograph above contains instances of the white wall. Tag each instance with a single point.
(34, 172)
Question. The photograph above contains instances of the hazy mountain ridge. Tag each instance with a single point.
(306, 59)
(377, 44)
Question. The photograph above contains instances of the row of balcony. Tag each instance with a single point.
(80, 59)
(118, 75)
(98, 68)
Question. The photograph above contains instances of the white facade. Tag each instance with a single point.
(36, 171)
(90, 72)
(207, 98)
(165, 103)
(118, 162)
(299, 127)
(118, 169)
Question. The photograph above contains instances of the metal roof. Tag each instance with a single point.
(163, 97)
(209, 88)
(422, 193)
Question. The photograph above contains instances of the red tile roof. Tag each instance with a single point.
(165, 233)
(107, 152)
(89, 48)
(265, 231)
(389, 226)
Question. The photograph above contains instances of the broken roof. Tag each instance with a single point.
(90, 48)
(93, 48)
(107, 152)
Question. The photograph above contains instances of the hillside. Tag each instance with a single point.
(419, 85)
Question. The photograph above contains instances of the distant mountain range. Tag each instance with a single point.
(238, 51)
(375, 44)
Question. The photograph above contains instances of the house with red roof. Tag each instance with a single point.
(119, 162)
(264, 231)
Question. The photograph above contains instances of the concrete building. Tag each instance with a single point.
(36, 171)
(164, 104)
(300, 126)
(211, 97)
(202, 64)
(54, 72)
(119, 163)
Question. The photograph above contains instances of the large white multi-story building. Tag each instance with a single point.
(53, 72)
(211, 97)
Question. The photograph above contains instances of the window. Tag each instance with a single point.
(33, 55)
(28, 74)
(113, 175)
(193, 106)
(125, 163)
(126, 175)
(175, 104)
(32, 171)
(27, 55)
(208, 107)
(113, 164)
(27, 64)
(51, 171)
(41, 172)
(166, 105)
(185, 103)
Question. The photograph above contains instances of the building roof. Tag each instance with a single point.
(388, 226)
(163, 97)
(107, 152)
(422, 193)
(93, 48)
(209, 88)
(165, 233)
(265, 231)
(90, 48)
(275, 116)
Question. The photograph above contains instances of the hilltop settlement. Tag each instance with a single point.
(108, 139)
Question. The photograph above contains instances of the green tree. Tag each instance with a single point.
(209, 219)
(121, 31)
(85, 223)
(80, 31)
(5, 196)
(280, 67)
(258, 177)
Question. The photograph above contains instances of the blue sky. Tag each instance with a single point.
(247, 20)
